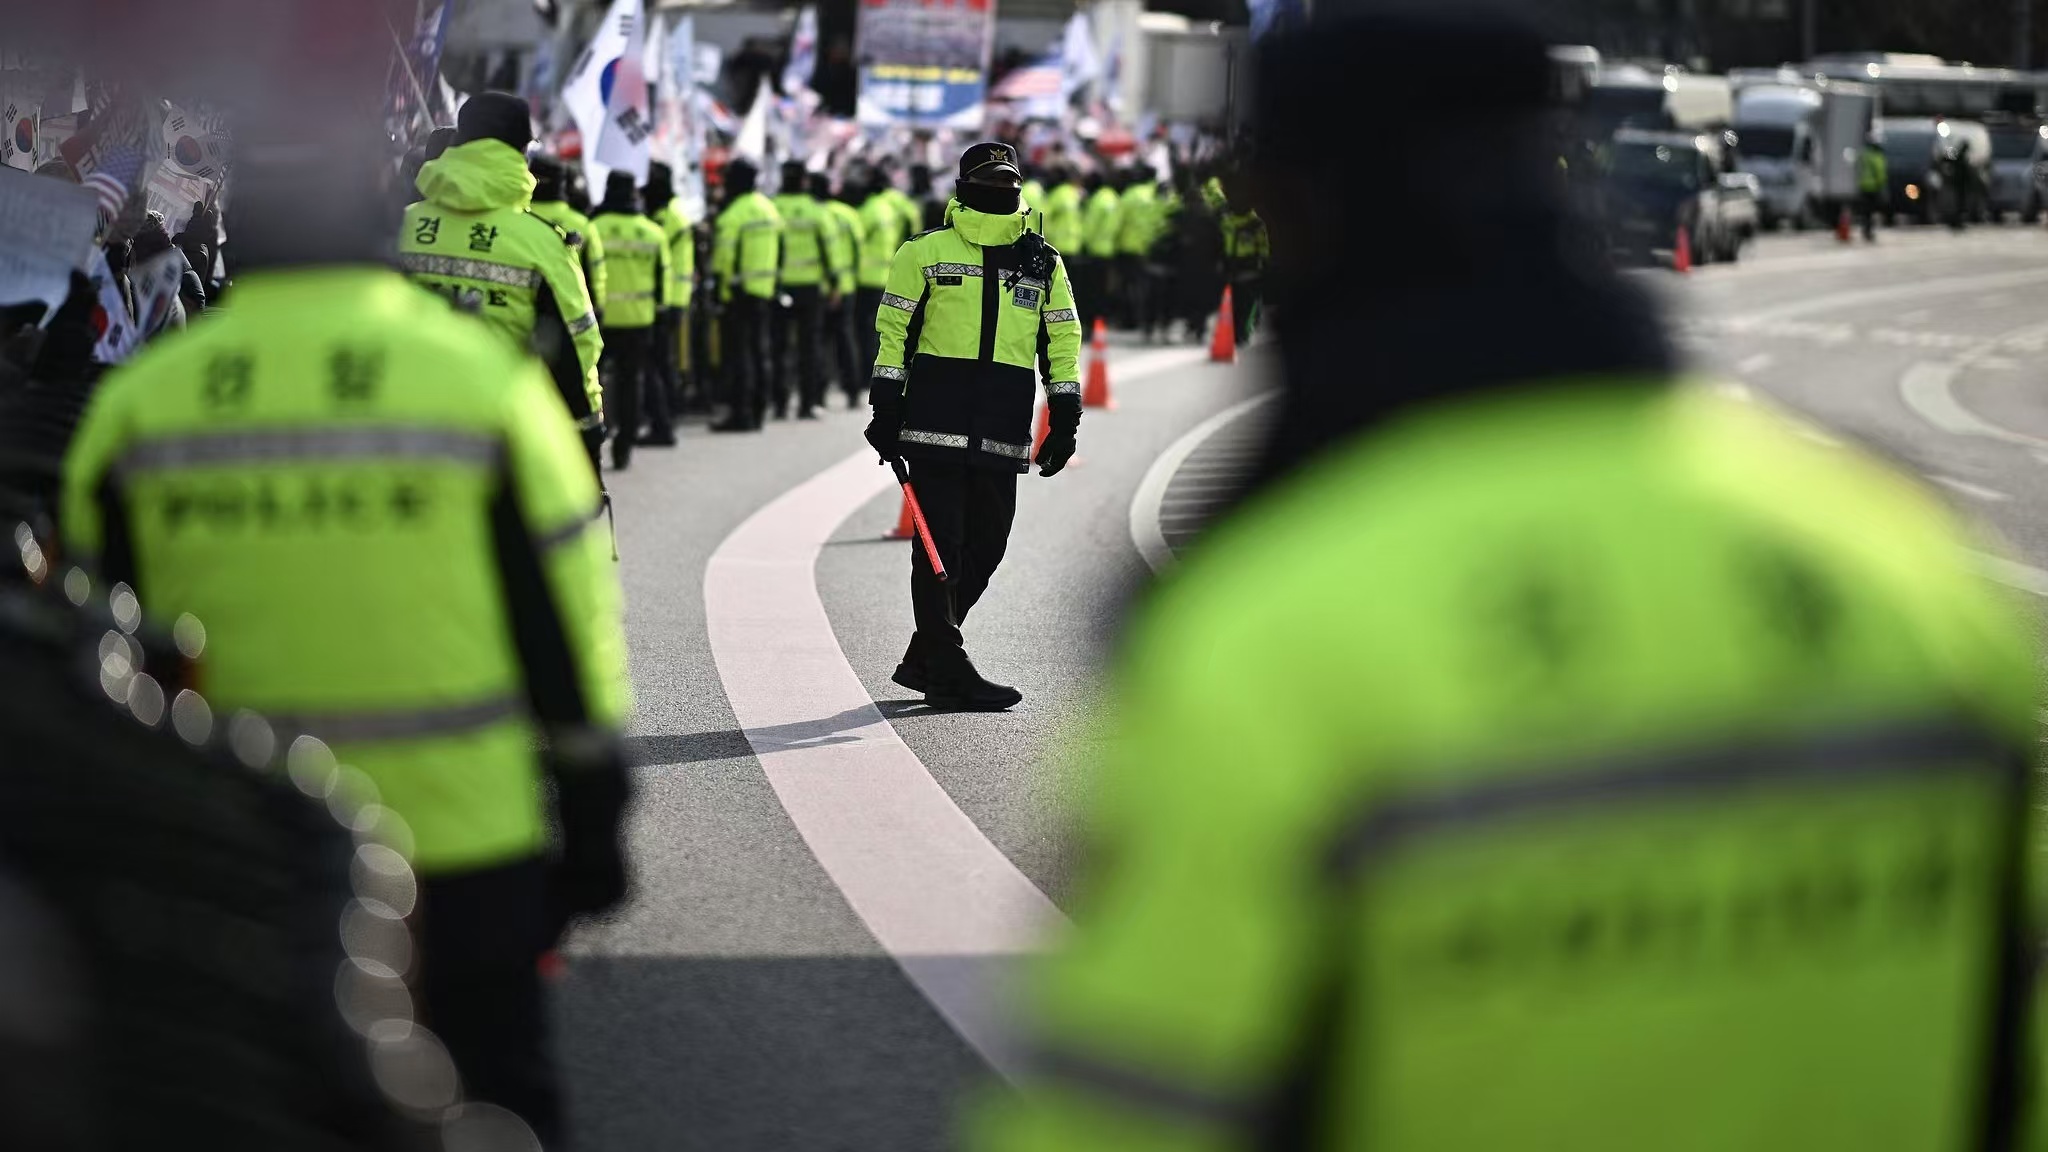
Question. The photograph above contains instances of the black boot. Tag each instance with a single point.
(910, 671)
(955, 686)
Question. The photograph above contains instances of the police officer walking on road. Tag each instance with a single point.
(672, 326)
(473, 241)
(381, 514)
(1547, 753)
(810, 281)
(636, 290)
(746, 259)
(550, 184)
(843, 242)
(983, 296)
(1873, 183)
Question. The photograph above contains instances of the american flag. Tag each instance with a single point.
(120, 169)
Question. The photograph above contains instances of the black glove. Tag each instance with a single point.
(886, 398)
(1064, 418)
(591, 791)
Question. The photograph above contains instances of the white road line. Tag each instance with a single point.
(2011, 573)
(1146, 531)
(1911, 290)
(938, 897)
(1751, 365)
(1928, 388)
(1974, 491)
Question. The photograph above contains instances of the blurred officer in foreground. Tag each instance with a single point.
(1547, 755)
(381, 513)
(809, 277)
(843, 247)
(636, 290)
(958, 406)
(473, 241)
(746, 258)
(550, 184)
(672, 326)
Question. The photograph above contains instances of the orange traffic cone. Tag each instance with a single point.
(906, 524)
(1681, 253)
(1845, 229)
(1223, 345)
(1095, 393)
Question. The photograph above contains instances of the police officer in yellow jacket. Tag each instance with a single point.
(842, 343)
(672, 327)
(381, 514)
(746, 261)
(550, 185)
(473, 241)
(1095, 261)
(884, 228)
(985, 297)
(1549, 753)
(810, 276)
(636, 290)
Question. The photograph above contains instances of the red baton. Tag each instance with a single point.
(924, 532)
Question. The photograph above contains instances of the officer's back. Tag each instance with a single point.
(473, 241)
(1547, 754)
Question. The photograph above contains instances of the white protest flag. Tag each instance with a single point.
(606, 94)
(682, 66)
(1080, 64)
(753, 138)
(803, 52)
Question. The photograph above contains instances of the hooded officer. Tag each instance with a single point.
(958, 405)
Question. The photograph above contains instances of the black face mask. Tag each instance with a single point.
(991, 199)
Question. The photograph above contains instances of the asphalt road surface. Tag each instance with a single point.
(832, 882)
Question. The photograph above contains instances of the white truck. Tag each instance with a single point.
(1800, 139)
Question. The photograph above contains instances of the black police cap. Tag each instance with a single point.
(988, 159)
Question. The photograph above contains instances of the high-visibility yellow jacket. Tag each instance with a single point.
(844, 243)
(883, 230)
(807, 260)
(1600, 766)
(1099, 223)
(1138, 220)
(381, 514)
(989, 295)
(681, 240)
(473, 241)
(637, 274)
(747, 246)
(1033, 195)
(582, 237)
(1063, 217)
(1245, 246)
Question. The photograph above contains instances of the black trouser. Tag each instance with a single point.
(798, 369)
(1129, 272)
(1088, 291)
(1870, 204)
(968, 510)
(481, 935)
(1244, 296)
(626, 353)
(844, 351)
(748, 366)
(866, 303)
(668, 371)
